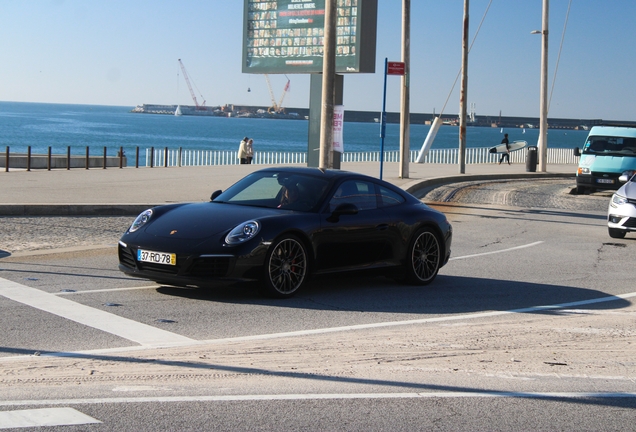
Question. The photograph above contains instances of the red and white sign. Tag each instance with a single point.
(395, 68)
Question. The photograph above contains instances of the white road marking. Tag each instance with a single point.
(326, 396)
(123, 327)
(44, 417)
(420, 321)
(497, 251)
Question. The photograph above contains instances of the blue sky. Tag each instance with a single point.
(121, 52)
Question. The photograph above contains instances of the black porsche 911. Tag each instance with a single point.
(281, 225)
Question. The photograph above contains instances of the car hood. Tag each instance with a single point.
(628, 190)
(202, 220)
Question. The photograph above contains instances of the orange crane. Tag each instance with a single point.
(276, 107)
(194, 98)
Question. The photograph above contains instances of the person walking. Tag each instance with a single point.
(249, 149)
(505, 154)
(242, 152)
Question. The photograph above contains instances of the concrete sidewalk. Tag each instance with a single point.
(128, 191)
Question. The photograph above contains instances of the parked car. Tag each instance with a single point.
(621, 214)
(281, 225)
(608, 153)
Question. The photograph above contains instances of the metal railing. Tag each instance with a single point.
(475, 155)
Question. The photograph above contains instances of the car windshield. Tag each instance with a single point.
(277, 189)
(610, 146)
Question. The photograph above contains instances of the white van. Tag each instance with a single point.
(608, 153)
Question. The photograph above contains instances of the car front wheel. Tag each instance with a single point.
(286, 267)
(424, 257)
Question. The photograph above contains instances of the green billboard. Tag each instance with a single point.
(287, 36)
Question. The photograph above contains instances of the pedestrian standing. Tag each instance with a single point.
(250, 150)
(242, 152)
(505, 154)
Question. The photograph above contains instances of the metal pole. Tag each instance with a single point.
(463, 93)
(543, 127)
(383, 118)
(405, 116)
(328, 86)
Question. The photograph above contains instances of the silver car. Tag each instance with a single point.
(621, 214)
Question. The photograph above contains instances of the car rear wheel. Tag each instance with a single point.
(424, 257)
(616, 233)
(286, 267)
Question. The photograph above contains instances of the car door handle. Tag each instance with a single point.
(382, 227)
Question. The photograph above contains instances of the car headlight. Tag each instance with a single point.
(584, 170)
(141, 220)
(628, 173)
(243, 232)
(618, 200)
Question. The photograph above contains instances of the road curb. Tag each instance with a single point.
(419, 188)
(73, 209)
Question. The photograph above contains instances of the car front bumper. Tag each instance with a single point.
(195, 269)
(622, 216)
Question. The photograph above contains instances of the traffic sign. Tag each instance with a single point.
(395, 68)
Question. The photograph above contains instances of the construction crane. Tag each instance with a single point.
(187, 80)
(276, 107)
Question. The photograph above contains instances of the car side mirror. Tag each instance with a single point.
(623, 179)
(577, 151)
(215, 194)
(344, 209)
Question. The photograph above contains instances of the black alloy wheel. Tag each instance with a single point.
(286, 267)
(424, 258)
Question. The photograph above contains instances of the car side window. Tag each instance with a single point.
(389, 198)
(360, 193)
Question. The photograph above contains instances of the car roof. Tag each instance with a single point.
(613, 131)
(319, 172)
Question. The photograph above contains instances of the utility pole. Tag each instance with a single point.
(328, 86)
(543, 126)
(405, 116)
(463, 94)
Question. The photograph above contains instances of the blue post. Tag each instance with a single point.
(383, 117)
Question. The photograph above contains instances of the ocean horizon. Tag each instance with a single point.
(60, 126)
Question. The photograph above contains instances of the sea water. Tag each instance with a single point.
(60, 126)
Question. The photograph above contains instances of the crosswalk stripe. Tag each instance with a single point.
(44, 417)
(123, 327)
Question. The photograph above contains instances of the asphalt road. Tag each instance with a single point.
(530, 326)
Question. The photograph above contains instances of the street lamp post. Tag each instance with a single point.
(543, 125)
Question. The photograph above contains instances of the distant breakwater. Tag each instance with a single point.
(246, 111)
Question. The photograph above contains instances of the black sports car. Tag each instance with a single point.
(281, 225)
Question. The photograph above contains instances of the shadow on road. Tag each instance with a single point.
(447, 295)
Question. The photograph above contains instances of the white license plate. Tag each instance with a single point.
(608, 181)
(156, 257)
